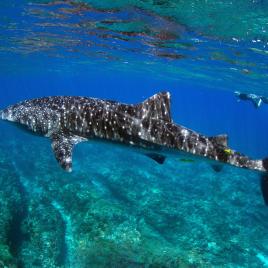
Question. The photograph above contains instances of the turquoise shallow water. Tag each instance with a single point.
(119, 208)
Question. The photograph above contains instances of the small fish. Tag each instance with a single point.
(185, 160)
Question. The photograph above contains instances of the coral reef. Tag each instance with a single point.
(120, 209)
(12, 212)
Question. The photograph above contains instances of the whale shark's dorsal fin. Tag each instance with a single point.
(62, 145)
(220, 139)
(155, 107)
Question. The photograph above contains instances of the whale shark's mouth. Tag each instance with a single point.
(5, 115)
(2, 114)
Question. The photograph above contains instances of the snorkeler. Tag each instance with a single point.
(255, 99)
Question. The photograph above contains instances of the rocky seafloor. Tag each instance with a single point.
(121, 209)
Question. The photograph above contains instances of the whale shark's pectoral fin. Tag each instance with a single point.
(62, 145)
(217, 167)
(159, 158)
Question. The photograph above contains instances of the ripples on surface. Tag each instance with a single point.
(219, 43)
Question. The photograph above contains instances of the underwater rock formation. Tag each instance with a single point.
(110, 213)
(12, 212)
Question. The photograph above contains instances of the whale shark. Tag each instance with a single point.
(146, 126)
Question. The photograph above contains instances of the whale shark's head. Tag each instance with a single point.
(32, 115)
(17, 114)
(11, 113)
(6, 115)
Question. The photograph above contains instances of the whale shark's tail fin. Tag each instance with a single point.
(155, 107)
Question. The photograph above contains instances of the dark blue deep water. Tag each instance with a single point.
(118, 208)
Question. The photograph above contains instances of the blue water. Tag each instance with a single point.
(209, 111)
(118, 208)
